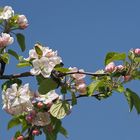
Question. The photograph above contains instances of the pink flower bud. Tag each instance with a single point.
(119, 67)
(29, 118)
(22, 21)
(76, 75)
(110, 67)
(81, 88)
(20, 138)
(40, 105)
(127, 78)
(35, 132)
(137, 51)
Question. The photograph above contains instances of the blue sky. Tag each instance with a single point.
(83, 31)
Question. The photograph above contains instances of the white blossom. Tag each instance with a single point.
(41, 119)
(47, 98)
(41, 66)
(44, 64)
(16, 99)
(7, 13)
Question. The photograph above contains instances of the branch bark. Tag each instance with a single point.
(27, 74)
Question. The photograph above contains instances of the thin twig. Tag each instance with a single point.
(86, 73)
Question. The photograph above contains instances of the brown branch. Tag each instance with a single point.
(12, 76)
(59, 74)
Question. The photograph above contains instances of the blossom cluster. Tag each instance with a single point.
(43, 64)
(79, 83)
(7, 13)
(20, 99)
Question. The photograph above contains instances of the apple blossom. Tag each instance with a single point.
(41, 119)
(22, 21)
(5, 40)
(81, 86)
(120, 67)
(45, 64)
(41, 66)
(46, 99)
(7, 13)
(110, 67)
(16, 99)
(77, 76)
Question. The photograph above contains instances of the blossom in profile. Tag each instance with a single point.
(16, 100)
(5, 40)
(22, 21)
(6, 13)
(81, 86)
(110, 67)
(77, 76)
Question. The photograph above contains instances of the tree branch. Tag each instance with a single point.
(12, 76)
(59, 74)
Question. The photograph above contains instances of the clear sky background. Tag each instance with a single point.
(83, 31)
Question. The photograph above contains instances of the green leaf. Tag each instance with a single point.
(60, 109)
(63, 131)
(47, 85)
(133, 100)
(13, 53)
(74, 100)
(38, 50)
(13, 122)
(93, 86)
(137, 59)
(21, 41)
(5, 57)
(120, 89)
(63, 70)
(8, 83)
(17, 134)
(23, 64)
(114, 56)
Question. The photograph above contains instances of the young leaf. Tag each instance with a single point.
(133, 100)
(38, 50)
(74, 100)
(23, 64)
(120, 89)
(113, 56)
(13, 53)
(21, 41)
(47, 85)
(5, 57)
(63, 70)
(93, 86)
(8, 83)
(60, 109)
(63, 131)
(13, 122)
